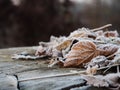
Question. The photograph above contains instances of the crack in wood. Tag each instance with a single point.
(18, 86)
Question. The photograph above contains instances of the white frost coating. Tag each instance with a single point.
(116, 59)
(61, 47)
(18, 56)
(79, 31)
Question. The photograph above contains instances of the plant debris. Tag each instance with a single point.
(82, 47)
(92, 49)
(111, 81)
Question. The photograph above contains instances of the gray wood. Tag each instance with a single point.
(64, 83)
(8, 82)
(27, 69)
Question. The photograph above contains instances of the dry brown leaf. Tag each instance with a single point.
(81, 52)
(107, 49)
(111, 34)
(84, 51)
(64, 45)
(81, 33)
(40, 51)
(101, 61)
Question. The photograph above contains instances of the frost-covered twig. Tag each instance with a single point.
(101, 28)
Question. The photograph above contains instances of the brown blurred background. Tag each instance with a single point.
(26, 22)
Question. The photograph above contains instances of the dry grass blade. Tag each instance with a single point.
(101, 28)
(53, 76)
(66, 74)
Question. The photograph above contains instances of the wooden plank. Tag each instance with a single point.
(10, 66)
(61, 83)
(26, 69)
(44, 73)
(8, 82)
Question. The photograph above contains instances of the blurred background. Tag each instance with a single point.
(26, 22)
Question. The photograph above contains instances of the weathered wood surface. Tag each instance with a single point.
(14, 74)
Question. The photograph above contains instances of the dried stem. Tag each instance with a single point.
(53, 76)
(100, 28)
(109, 67)
(66, 74)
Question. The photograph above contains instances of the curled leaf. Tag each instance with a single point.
(111, 34)
(96, 81)
(107, 49)
(63, 45)
(84, 51)
(81, 52)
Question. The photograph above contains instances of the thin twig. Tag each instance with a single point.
(100, 28)
(118, 71)
(65, 74)
(107, 70)
(117, 65)
(109, 67)
(52, 76)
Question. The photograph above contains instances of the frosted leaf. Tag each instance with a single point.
(84, 51)
(81, 52)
